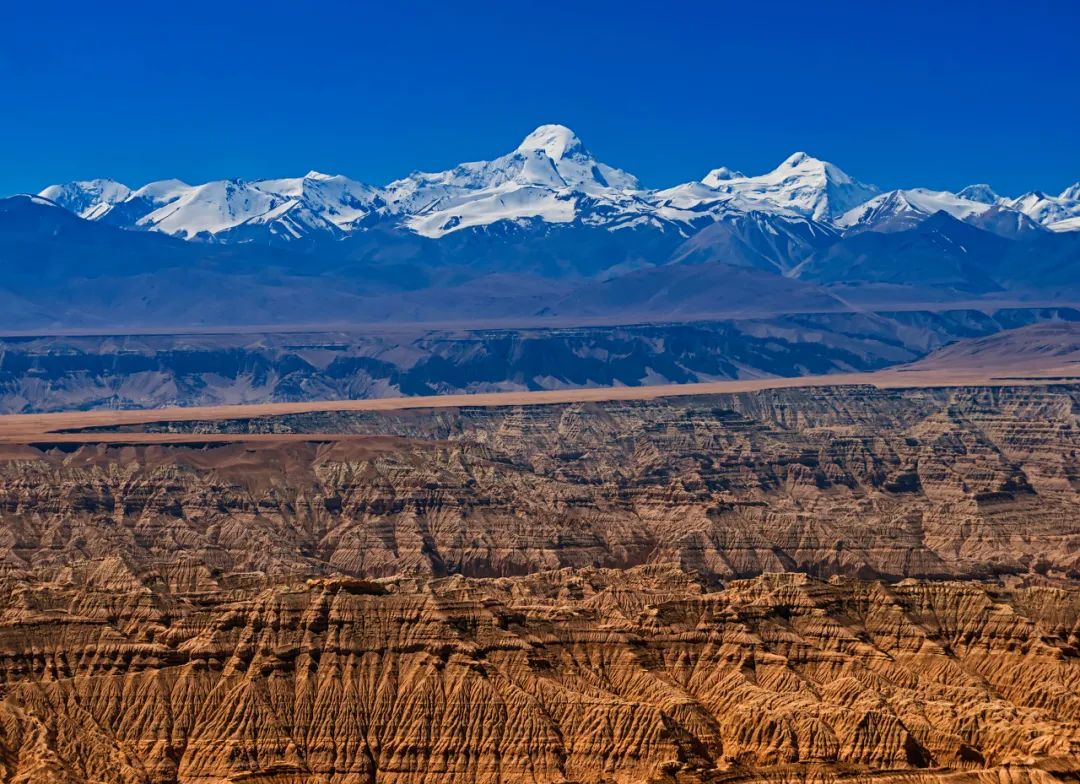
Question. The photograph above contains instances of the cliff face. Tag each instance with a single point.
(562, 593)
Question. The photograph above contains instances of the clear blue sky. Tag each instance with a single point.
(937, 93)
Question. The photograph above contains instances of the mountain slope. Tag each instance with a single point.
(682, 290)
(265, 210)
(810, 187)
(63, 271)
(1048, 350)
(941, 252)
(1057, 213)
(550, 176)
(904, 209)
(980, 192)
(754, 239)
(89, 199)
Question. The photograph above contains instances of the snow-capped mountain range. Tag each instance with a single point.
(549, 179)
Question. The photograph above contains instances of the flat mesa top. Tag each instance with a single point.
(54, 428)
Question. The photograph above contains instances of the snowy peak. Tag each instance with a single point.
(89, 199)
(801, 183)
(800, 164)
(799, 159)
(210, 209)
(556, 149)
(723, 174)
(161, 191)
(288, 208)
(900, 210)
(905, 209)
(557, 142)
(980, 192)
(805, 163)
(550, 177)
(340, 200)
(1058, 213)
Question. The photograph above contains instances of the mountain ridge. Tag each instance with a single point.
(545, 230)
(550, 176)
(63, 271)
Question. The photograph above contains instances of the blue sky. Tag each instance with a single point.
(916, 93)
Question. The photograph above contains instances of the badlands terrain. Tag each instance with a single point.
(870, 577)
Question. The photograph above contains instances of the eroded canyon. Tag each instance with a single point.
(801, 584)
